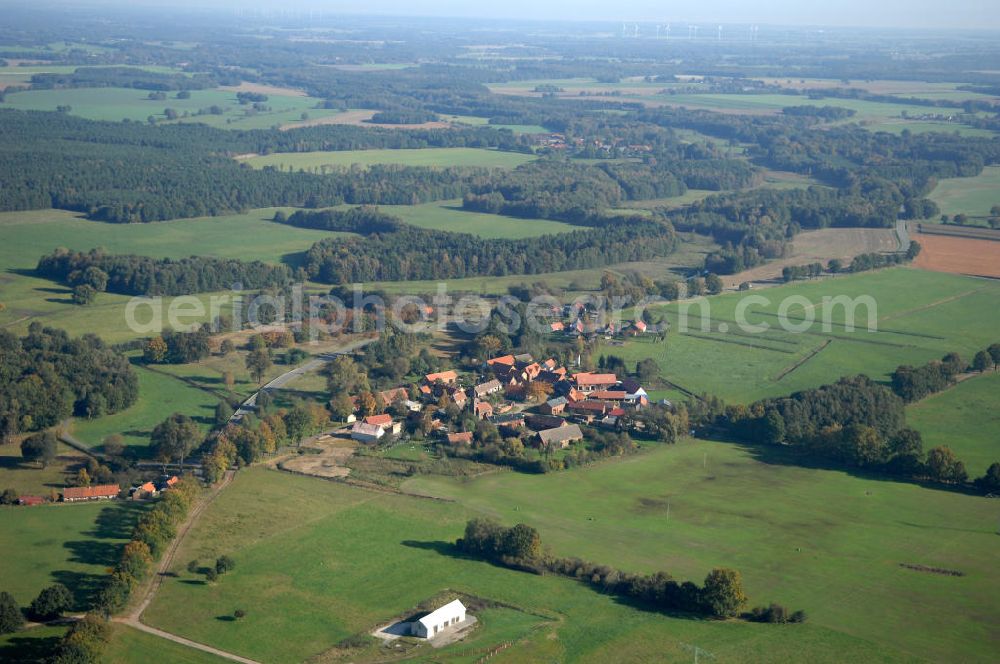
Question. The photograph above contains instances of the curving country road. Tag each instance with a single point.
(249, 405)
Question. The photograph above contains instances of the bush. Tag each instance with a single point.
(211, 575)
(224, 564)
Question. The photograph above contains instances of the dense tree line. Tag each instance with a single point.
(47, 376)
(413, 253)
(854, 422)
(574, 192)
(520, 547)
(122, 77)
(824, 112)
(142, 275)
(365, 220)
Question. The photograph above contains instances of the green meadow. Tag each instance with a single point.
(925, 126)
(825, 541)
(134, 104)
(29, 235)
(72, 544)
(966, 418)
(30, 646)
(129, 645)
(971, 196)
(920, 317)
(29, 478)
(320, 561)
(477, 121)
(439, 157)
(449, 216)
(159, 397)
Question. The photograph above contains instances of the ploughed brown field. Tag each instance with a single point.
(959, 255)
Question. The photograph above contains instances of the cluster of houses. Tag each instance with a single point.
(598, 399)
(559, 142)
(76, 494)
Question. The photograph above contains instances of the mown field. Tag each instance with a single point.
(440, 157)
(134, 104)
(966, 418)
(921, 316)
(970, 196)
(72, 544)
(825, 541)
(319, 561)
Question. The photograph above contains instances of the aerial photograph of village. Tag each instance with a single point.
(339, 332)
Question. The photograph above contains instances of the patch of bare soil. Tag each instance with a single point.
(262, 89)
(820, 247)
(958, 255)
(325, 456)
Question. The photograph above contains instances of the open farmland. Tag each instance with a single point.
(318, 561)
(829, 530)
(966, 418)
(134, 104)
(31, 479)
(440, 157)
(969, 196)
(959, 255)
(916, 312)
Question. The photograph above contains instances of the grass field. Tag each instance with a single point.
(71, 544)
(129, 645)
(159, 397)
(29, 235)
(318, 561)
(30, 646)
(31, 479)
(440, 157)
(917, 314)
(449, 216)
(831, 543)
(971, 196)
(134, 104)
(923, 127)
(966, 418)
(477, 121)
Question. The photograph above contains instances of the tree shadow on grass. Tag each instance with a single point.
(82, 585)
(94, 552)
(117, 521)
(785, 455)
(28, 650)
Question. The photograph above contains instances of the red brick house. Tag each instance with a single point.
(99, 492)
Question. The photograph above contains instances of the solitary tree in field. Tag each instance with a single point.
(981, 362)
(258, 362)
(40, 447)
(723, 593)
(994, 353)
(155, 350)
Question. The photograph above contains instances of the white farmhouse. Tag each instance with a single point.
(452, 613)
(367, 433)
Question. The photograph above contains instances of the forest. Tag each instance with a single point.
(414, 254)
(47, 376)
(142, 275)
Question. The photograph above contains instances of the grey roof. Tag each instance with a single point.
(561, 434)
(558, 401)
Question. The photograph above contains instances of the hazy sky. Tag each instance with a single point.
(883, 13)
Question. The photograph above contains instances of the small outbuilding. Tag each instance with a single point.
(452, 613)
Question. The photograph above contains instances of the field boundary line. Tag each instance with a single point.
(813, 353)
(953, 298)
